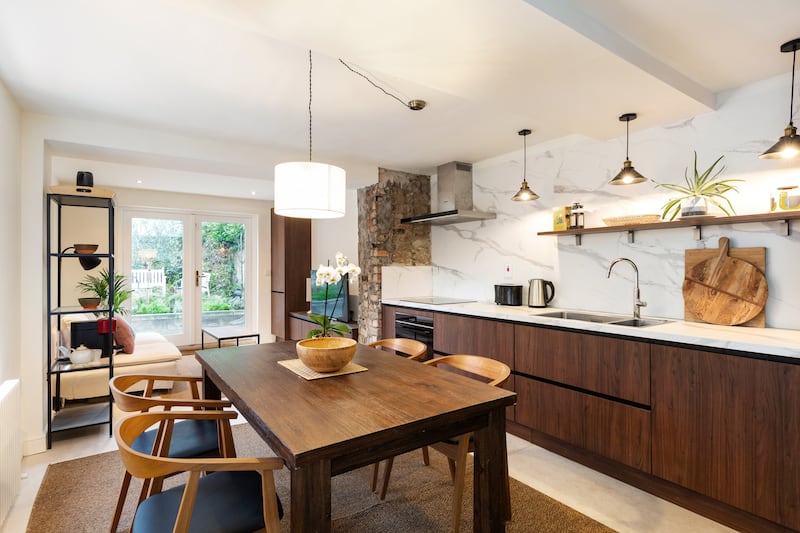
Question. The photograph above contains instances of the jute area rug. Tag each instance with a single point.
(80, 495)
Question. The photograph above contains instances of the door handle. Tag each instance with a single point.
(196, 278)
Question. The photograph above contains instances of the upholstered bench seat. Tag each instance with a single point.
(152, 354)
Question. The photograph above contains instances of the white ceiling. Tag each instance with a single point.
(238, 70)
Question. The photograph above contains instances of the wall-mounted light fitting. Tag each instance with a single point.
(307, 189)
(88, 263)
(628, 175)
(787, 146)
(525, 194)
(414, 105)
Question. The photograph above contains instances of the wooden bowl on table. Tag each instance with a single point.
(326, 354)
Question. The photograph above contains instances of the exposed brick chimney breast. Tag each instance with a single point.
(383, 240)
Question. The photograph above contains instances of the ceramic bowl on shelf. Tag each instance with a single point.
(85, 248)
(89, 303)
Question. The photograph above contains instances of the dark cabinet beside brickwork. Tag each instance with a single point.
(290, 264)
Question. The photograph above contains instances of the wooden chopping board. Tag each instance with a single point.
(726, 286)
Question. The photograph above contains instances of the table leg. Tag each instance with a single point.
(210, 389)
(492, 499)
(311, 498)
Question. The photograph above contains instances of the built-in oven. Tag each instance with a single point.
(420, 328)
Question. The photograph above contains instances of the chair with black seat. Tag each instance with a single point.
(235, 494)
(412, 349)
(490, 371)
(186, 438)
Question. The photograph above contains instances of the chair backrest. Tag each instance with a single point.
(128, 402)
(495, 372)
(145, 466)
(413, 349)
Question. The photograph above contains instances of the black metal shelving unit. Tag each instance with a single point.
(62, 418)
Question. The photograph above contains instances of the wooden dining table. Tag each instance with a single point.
(325, 427)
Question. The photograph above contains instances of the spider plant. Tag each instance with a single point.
(701, 185)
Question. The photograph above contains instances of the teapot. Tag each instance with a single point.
(81, 354)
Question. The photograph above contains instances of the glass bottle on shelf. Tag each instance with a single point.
(576, 216)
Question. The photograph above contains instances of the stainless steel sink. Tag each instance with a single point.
(585, 317)
(616, 320)
(640, 322)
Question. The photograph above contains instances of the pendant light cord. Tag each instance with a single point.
(309, 106)
(627, 137)
(791, 97)
(525, 157)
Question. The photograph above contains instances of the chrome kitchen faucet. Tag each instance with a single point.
(637, 301)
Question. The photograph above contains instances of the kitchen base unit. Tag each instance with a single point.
(712, 429)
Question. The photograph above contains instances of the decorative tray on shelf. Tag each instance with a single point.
(631, 219)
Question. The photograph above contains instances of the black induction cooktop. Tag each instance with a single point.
(435, 300)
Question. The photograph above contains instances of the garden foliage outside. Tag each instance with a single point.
(158, 243)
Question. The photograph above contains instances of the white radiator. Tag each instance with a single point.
(10, 445)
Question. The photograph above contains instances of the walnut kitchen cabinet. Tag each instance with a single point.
(290, 264)
(727, 427)
(609, 366)
(455, 334)
(586, 390)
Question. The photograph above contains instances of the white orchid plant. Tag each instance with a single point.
(328, 275)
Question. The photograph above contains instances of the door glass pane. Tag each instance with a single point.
(156, 275)
(222, 277)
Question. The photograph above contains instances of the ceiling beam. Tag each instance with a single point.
(566, 12)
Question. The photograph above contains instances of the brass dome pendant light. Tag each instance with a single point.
(525, 194)
(628, 175)
(787, 146)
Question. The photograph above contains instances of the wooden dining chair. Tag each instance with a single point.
(412, 349)
(490, 371)
(235, 494)
(185, 438)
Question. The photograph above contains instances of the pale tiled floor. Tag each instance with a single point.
(615, 504)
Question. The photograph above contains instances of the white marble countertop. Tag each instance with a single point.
(769, 341)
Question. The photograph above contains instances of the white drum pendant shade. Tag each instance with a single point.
(309, 190)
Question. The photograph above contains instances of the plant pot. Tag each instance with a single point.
(694, 206)
(326, 354)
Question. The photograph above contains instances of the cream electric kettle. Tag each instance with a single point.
(540, 292)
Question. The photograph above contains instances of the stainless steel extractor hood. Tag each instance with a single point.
(454, 188)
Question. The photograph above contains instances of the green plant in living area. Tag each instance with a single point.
(703, 185)
(98, 286)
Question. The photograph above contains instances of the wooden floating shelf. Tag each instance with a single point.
(780, 216)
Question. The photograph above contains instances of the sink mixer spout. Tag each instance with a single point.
(637, 301)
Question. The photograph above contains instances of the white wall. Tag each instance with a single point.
(329, 236)
(42, 141)
(9, 237)
(469, 258)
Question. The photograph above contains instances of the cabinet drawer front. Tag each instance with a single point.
(612, 367)
(548, 354)
(475, 336)
(611, 429)
(616, 367)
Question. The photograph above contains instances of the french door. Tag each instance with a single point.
(188, 271)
